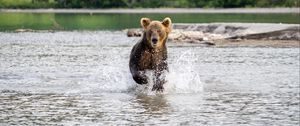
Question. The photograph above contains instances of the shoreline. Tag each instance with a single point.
(218, 43)
(257, 43)
(233, 34)
(219, 34)
(158, 10)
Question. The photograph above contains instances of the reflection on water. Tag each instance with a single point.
(153, 104)
(82, 78)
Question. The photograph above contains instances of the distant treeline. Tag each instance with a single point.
(146, 3)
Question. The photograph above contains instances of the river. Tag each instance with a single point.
(82, 78)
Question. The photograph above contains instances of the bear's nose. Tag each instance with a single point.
(154, 40)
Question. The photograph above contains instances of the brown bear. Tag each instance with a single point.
(150, 53)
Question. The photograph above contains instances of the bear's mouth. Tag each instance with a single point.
(154, 45)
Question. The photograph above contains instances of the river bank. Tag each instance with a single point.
(233, 34)
(94, 37)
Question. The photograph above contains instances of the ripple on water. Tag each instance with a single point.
(69, 78)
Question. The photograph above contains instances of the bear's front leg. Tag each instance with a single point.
(159, 81)
(140, 77)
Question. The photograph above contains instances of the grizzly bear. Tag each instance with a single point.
(150, 53)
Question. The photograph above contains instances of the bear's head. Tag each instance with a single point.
(156, 32)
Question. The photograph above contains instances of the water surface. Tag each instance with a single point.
(69, 78)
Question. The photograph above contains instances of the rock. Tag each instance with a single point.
(244, 30)
(24, 30)
(208, 43)
(192, 36)
(197, 33)
(291, 33)
(134, 32)
(205, 38)
(236, 40)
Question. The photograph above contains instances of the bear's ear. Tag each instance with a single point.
(145, 22)
(167, 22)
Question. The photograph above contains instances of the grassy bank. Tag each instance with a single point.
(146, 3)
(117, 21)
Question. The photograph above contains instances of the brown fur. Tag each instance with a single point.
(150, 53)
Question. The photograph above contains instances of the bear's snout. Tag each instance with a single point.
(154, 41)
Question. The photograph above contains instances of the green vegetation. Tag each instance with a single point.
(65, 21)
(146, 3)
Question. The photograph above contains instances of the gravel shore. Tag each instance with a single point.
(233, 34)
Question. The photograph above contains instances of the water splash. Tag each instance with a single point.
(182, 77)
(109, 77)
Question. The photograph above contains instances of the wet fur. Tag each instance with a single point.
(146, 57)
